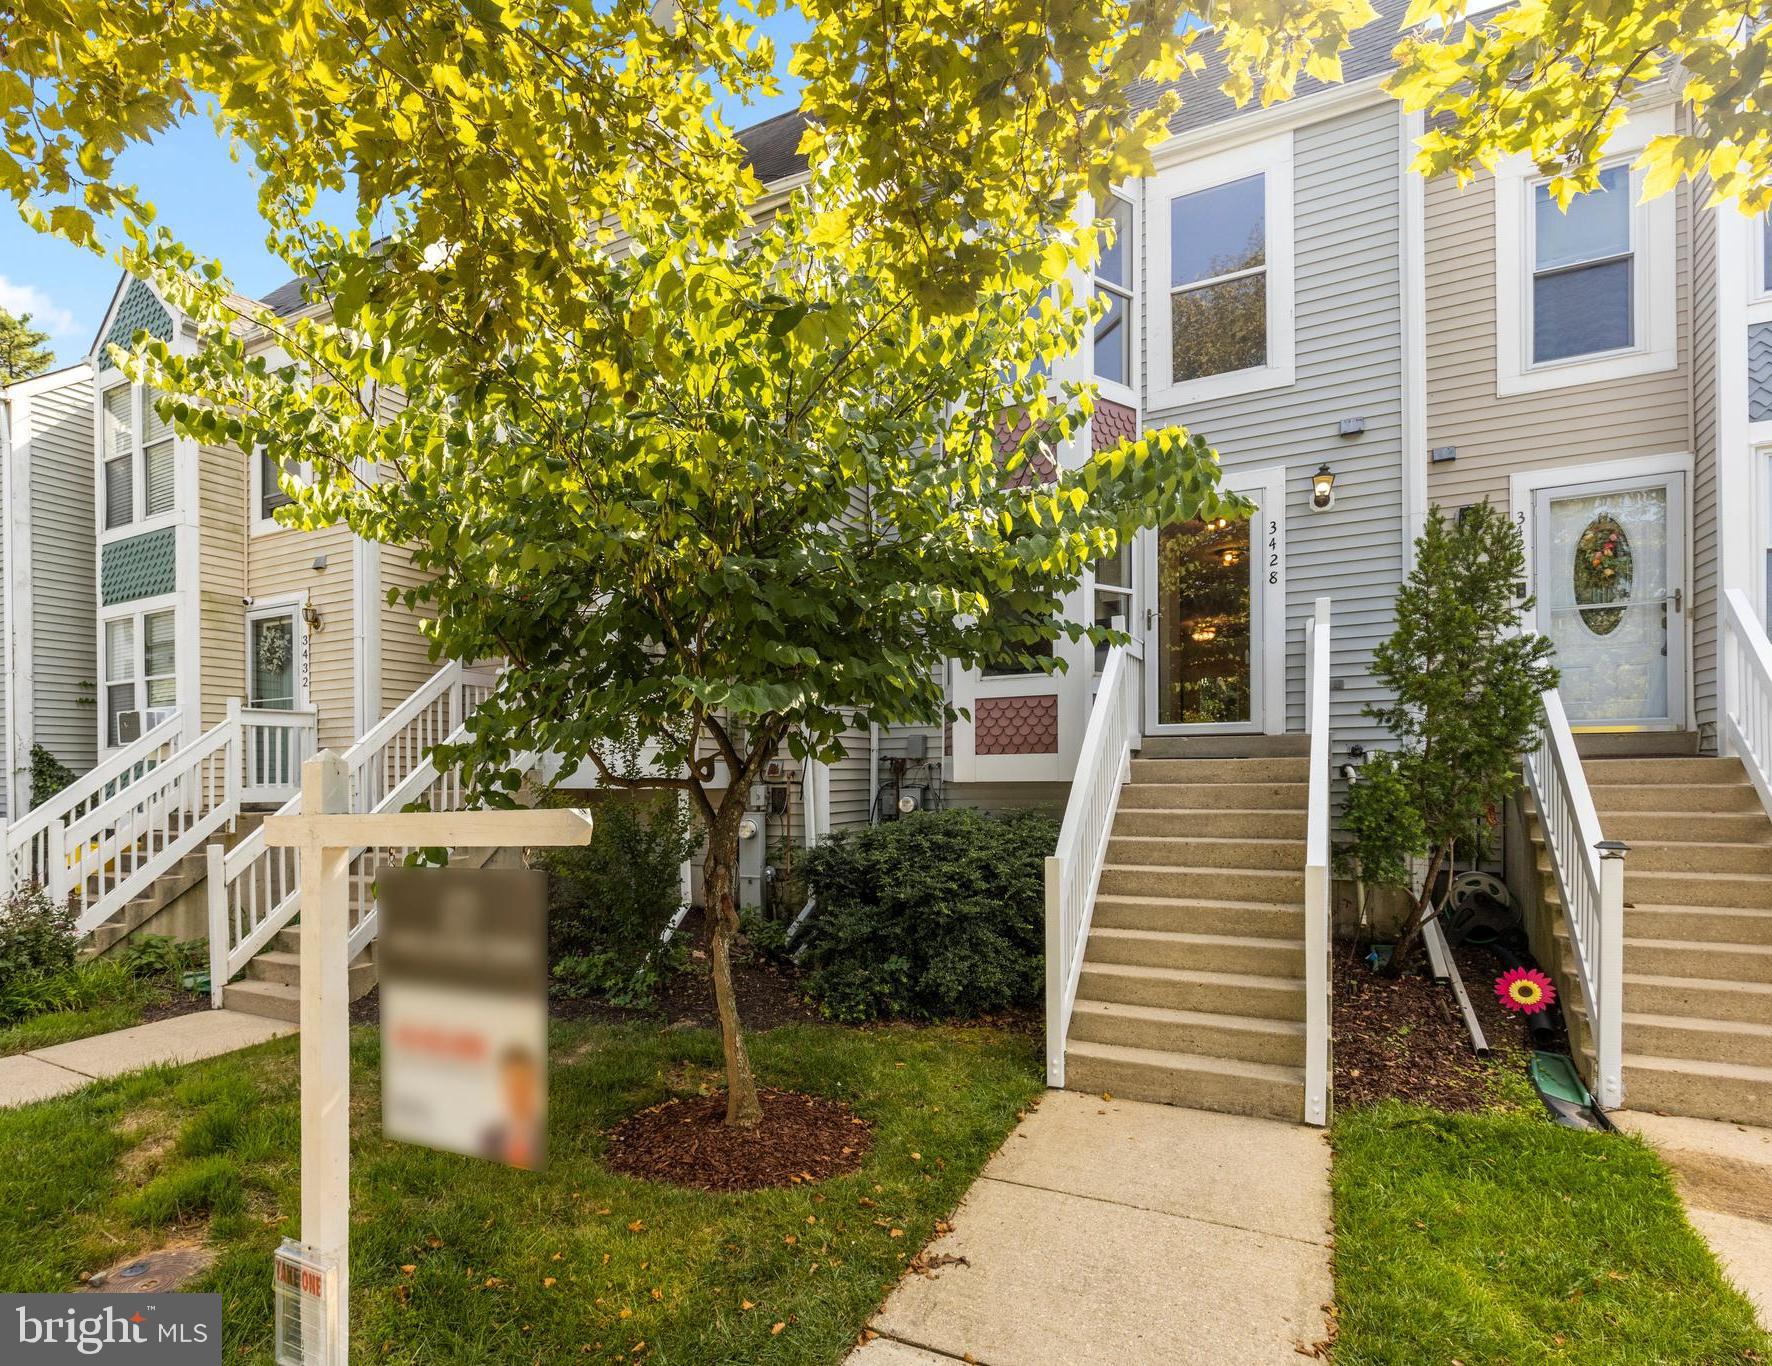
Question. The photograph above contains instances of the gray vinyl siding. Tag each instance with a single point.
(1498, 437)
(1348, 363)
(1703, 619)
(64, 635)
(7, 437)
(849, 782)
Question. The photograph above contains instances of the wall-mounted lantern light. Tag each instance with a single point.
(1323, 489)
(310, 614)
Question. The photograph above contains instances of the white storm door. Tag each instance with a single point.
(1610, 571)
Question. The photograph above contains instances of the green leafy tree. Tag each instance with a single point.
(24, 350)
(722, 479)
(1466, 680)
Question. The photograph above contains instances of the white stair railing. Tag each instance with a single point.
(1074, 868)
(1747, 692)
(1590, 881)
(274, 743)
(254, 889)
(1316, 870)
(114, 851)
(34, 842)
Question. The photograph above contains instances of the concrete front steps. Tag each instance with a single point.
(1698, 935)
(1192, 985)
(272, 985)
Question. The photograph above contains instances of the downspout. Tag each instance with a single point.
(873, 770)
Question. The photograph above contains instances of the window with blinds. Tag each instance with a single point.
(119, 476)
(157, 459)
(119, 673)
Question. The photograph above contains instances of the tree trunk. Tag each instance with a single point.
(719, 873)
(1411, 931)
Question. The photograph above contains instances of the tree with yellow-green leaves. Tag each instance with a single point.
(712, 472)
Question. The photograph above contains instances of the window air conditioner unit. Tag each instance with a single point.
(129, 727)
(155, 715)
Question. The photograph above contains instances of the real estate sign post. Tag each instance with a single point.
(328, 836)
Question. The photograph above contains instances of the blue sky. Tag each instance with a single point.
(210, 201)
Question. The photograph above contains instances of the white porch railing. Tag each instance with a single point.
(105, 839)
(253, 889)
(1747, 692)
(1590, 880)
(1316, 870)
(35, 841)
(274, 745)
(1074, 868)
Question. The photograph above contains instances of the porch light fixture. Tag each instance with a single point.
(310, 615)
(1323, 489)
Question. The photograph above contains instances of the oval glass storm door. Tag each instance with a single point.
(1610, 566)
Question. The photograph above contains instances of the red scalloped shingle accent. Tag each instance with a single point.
(1015, 725)
(1112, 423)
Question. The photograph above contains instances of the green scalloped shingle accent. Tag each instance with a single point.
(140, 311)
(142, 567)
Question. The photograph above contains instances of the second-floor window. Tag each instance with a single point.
(1219, 248)
(270, 492)
(1218, 279)
(140, 464)
(1113, 282)
(1583, 271)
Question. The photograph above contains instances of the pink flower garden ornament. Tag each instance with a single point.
(1526, 990)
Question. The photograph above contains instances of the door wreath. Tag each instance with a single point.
(1603, 573)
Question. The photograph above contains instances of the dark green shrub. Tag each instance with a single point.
(49, 775)
(36, 936)
(940, 915)
(609, 902)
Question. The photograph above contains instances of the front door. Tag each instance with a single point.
(1212, 588)
(1610, 578)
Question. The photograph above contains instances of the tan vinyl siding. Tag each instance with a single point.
(64, 607)
(1703, 618)
(223, 475)
(282, 562)
(1498, 437)
(405, 654)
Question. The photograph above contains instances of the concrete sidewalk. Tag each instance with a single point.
(1724, 1172)
(1124, 1233)
(65, 1067)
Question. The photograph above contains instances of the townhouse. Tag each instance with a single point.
(48, 659)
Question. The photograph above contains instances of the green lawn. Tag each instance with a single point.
(517, 1267)
(1500, 1237)
(62, 1026)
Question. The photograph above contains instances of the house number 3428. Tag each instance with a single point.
(1273, 552)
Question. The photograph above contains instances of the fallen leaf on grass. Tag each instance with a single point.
(637, 1226)
(547, 1281)
(778, 1327)
(747, 1304)
(409, 1267)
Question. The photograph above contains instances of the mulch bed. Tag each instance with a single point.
(687, 1142)
(174, 1003)
(1405, 1038)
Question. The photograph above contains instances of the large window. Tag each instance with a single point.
(140, 668)
(1113, 283)
(140, 463)
(1220, 268)
(1218, 280)
(1583, 271)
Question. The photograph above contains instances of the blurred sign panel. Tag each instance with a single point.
(462, 958)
